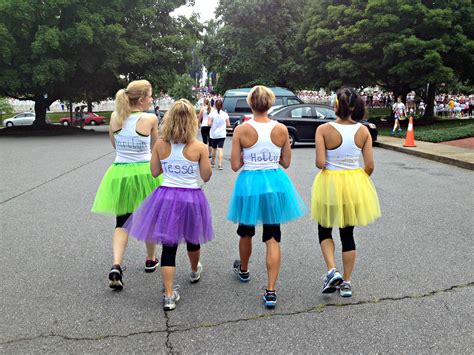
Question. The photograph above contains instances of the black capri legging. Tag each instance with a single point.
(168, 253)
(346, 234)
(205, 134)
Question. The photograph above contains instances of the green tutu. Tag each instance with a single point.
(124, 187)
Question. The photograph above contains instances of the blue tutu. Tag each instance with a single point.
(264, 197)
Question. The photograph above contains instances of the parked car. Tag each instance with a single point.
(235, 103)
(90, 118)
(20, 119)
(302, 121)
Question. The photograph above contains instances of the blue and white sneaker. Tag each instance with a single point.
(345, 289)
(332, 279)
(244, 276)
(270, 298)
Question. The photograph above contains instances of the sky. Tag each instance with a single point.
(205, 8)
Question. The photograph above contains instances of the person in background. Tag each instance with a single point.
(218, 121)
(203, 118)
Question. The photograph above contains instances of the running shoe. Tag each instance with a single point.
(115, 277)
(244, 276)
(169, 303)
(345, 289)
(270, 298)
(219, 167)
(332, 279)
(196, 276)
(151, 265)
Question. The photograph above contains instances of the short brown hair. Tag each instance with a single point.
(260, 98)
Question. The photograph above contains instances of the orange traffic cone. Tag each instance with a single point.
(410, 138)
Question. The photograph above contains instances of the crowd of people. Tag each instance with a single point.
(154, 191)
(452, 106)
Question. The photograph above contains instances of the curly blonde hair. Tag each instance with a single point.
(180, 124)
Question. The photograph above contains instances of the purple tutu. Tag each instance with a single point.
(172, 215)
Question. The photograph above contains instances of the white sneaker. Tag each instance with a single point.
(196, 276)
(169, 303)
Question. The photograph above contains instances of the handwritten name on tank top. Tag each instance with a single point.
(131, 143)
(179, 169)
(264, 156)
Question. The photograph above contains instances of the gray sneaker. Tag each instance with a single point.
(345, 289)
(196, 276)
(170, 302)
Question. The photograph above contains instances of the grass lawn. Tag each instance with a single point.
(439, 131)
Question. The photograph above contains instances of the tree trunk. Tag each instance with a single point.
(430, 98)
(41, 105)
(89, 106)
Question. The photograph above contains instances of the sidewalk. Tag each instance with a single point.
(461, 157)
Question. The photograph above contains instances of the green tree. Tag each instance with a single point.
(400, 45)
(253, 41)
(86, 50)
(182, 88)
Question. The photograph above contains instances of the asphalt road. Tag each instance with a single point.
(413, 281)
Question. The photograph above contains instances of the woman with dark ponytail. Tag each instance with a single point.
(343, 195)
(129, 180)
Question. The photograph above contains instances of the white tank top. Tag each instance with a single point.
(179, 171)
(131, 147)
(218, 127)
(264, 154)
(205, 117)
(347, 155)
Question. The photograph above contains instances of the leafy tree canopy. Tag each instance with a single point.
(74, 49)
(400, 45)
(254, 41)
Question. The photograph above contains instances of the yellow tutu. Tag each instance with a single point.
(341, 198)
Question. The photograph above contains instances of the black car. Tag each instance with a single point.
(303, 119)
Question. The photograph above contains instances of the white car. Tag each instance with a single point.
(20, 119)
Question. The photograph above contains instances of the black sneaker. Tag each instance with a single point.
(244, 276)
(151, 265)
(115, 277)
(270, 298)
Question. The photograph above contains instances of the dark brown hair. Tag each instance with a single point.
(349, 104)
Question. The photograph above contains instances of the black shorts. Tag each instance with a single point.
(217, 142)
(269, 231)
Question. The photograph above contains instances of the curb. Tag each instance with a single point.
(439, 158)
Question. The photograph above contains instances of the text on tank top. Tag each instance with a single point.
(131, 147)
(264, 154)
(179, 171)
(347, 155)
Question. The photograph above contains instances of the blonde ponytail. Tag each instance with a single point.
(122, 105)
(125, 99)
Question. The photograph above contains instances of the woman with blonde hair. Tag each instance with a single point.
(263, 193)
(128, 181)
(177, 211)
(203, 119)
